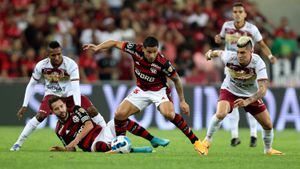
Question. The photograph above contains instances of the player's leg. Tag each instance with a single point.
(261, 114)
(234, 126)
(253, 130)
(32, 124)
(223, 108)
(124, 110)
(138, 130)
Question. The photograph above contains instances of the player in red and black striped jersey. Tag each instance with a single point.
(77, 129)
(151, 69)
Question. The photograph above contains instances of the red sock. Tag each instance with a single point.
(180, 123)
(120, 126)
(138, 130)
(102, 147)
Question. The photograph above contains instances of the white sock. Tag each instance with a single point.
(268, 136)
(99, 120)
(253, 125)
(234, 121)
(28, 129)
(214, 125)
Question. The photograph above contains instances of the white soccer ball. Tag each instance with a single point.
(121, 144)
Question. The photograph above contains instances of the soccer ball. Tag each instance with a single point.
(121, 144)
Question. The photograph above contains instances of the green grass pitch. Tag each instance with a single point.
(178, 155)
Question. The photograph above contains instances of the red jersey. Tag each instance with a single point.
(149, 76)
(68, 130)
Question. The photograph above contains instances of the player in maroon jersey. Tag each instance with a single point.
(151, 69)
(77, 129)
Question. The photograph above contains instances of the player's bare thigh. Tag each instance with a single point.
(223, 108)
(264, 120)
(125, 109)
(167, 109)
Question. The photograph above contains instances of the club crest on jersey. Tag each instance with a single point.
(129, 45)
(153, 70)
(75, 119)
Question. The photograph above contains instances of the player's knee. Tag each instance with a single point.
(40, 116)
(169, 115)
(92, 111)
(221, 115)
(268, 126)
(121, 114)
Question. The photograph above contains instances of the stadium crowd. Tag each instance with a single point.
(185, 29)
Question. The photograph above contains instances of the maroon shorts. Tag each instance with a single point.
(254, 108)
(45, 109)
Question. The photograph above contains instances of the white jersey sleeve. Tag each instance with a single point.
(261, 70)
(37, 72)
(222, 33)
(256, 34)
(226, 56)
(74, 71)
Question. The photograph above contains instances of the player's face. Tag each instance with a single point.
(150, 53)
(60, 109)
(55, 56)
(239, 14)
(243, 55)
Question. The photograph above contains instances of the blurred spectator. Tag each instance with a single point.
(88, 67)
(285, 30)
(107, 66)
(125, 69)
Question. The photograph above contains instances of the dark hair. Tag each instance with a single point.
(54, 44)
(238, 4)
(53, 99)
(150, 41)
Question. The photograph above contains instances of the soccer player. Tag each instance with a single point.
(244, 86)
(75, 128)
(151, 69)
(61, 77)
(231, 32)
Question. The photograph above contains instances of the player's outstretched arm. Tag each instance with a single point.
(104, 45)
(179, 88)
(212, 54)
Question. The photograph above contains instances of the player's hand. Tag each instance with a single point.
(90, 46)
(218, 39)
(21, 112)
(185, 108)
(273, 60)
(73, 144)
(241, 103)
(57, 148)
(208, 55)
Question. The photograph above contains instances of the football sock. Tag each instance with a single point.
(234, 121)
(214, 125)
(138, 130)
(98, 119)
(268, 139)
(120, 126)
(180, 123)
(28, 129)
(252, 124)
(102, 147)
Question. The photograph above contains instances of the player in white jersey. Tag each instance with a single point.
(60, 75)
(231, 32)
(245, 84)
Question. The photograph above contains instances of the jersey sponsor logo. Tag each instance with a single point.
(143, 76)
(55, 87)
(129, 45)
(55, 75)
(136, 91)
(153, 70)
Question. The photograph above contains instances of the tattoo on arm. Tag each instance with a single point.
(261, 92)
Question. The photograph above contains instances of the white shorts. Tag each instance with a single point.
(141, 99)
(106, 135)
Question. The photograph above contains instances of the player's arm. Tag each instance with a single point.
(179, 88)
(104, 45)
(213, 54)
(267, 52)
(28, 94)
(75, 84)
(261, 92)
(87, 127)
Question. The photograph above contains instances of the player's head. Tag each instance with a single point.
(58, 107)
(244, 51)
(150, 48)
(55, 53)
(238, 12)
